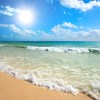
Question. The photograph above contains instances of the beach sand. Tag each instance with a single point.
(14, 89)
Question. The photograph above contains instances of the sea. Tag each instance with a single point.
(67, 66)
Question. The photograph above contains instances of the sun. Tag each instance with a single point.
(26, 17)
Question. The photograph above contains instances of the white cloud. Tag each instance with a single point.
(80, 4)
(9, 11)
(62, 33)
(57, 33)
(69, 25)
(65, 26)
(15, 29)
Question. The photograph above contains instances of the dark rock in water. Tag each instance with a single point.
(94, 51)
(46, 50)
(29, 80)
(69, 49)
(65, 51)
(13, 74)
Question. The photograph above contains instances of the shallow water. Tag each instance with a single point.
(65, 71)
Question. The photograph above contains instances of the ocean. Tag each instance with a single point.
(63, 66)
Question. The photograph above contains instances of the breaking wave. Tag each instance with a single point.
(59, 49)
(65, 49)
(53, 85)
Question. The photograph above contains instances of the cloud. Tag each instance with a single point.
(9, 11)
(64, 26)
(15, 29)
(24, 34)
(69, 25)
(65, 34)
(57, 33)
(80, 4)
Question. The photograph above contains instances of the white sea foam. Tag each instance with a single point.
(45, 48)
(1, 45)
(53, 85)
(35, 80)
(65, 49)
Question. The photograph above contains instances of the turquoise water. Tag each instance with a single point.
(55, 43)
(64, 66)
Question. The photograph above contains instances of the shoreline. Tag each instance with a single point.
(15, 89)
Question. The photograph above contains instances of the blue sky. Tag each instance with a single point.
(53, 20)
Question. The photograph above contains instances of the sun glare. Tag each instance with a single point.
(26, 17)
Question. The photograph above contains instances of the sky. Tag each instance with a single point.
(49, 20)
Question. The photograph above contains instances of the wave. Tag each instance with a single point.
(58, 49)
(35, 80)
(65, 49)
(1, 45)
(53, 85)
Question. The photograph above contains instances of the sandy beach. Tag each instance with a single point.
(14, 89)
